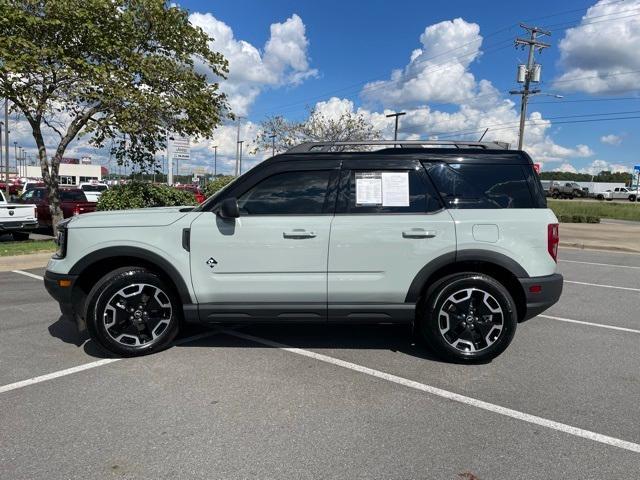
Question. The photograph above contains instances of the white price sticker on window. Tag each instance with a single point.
(395, 189)
(368, 188)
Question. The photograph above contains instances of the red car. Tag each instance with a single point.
(200, 197)
(72, 201)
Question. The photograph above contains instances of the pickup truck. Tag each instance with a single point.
(565, 190)
(72, 202)
(17, 219)
(93, 190)
(619, 193)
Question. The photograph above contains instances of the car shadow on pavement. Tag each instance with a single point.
(65, 330)
(393, 338)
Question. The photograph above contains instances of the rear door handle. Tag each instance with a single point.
(298, 233)
(418, 233)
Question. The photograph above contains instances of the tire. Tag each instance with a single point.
(139, 294)
(632, 198)
(20, 236)
(480, 340)
(555, 194)
(600, 197)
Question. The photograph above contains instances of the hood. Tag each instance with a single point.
(141, 217)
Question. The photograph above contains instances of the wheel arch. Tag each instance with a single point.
(94, 266)
(499, 266)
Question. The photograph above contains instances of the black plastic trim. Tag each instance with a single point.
(451, 258)
(372, 313)
(549, 295)
(186, 239)
(135, 252)
(263, 312)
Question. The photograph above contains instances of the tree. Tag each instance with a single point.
(349, 126)
(121, 72)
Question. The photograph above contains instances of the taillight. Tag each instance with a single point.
(553, 238)
(76, 210)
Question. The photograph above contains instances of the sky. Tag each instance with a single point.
(448, 65)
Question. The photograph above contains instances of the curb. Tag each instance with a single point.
(607, 248)
(21, 262)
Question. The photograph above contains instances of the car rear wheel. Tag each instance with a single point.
(468, 317)
(131, 311)
(632, 198)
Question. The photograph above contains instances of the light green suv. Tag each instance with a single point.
(454, 239)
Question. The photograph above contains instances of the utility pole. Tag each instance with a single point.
(240, 142)
(215, 161)
(273, 144)
(528, 73)
(238, 147)
(398, 114)
(6, 144)
(1, 164)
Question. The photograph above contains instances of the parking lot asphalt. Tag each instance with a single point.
(343, 402)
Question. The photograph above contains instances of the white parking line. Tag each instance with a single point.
(525, 417)
(87, 366)
(28, 274)
(599, 325)
(603, 286)
(601, 264)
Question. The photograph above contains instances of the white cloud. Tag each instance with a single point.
(436, 72)
(566, 167)
(596, 54)
(284, 60)
(611, 139)
(598, 166)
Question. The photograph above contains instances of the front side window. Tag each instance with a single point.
(289, 193)
(481, 185)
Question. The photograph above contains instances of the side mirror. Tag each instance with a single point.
(229, 208)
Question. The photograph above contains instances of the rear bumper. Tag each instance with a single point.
(63, 295)
(17, 225)
(550, 291)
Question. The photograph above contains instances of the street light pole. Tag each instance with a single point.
(238, 146)
(396, 115)
(215, 161)
(273, 144)
(240, 142)
(6, 144)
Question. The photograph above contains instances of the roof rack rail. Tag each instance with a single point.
(331, 146)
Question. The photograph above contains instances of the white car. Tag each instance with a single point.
(456, 241)
(93, 190)
(17, 219)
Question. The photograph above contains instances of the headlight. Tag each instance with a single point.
(61, 238)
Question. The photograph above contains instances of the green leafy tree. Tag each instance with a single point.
(121, 72)
(349, 126)
(143, 195)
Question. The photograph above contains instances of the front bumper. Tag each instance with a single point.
(540, 293)
(64, 295)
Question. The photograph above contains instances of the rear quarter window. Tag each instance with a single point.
(486, 185)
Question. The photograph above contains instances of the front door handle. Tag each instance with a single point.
(418, 233)
(298, 233)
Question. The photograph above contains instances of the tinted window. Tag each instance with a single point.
(292, 193)
(421, 198)
(482, 186)
(94, 188)
(72, 196)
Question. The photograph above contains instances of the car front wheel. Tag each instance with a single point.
(131, 311)
(468, 317)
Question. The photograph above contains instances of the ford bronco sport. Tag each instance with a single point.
(454, 238)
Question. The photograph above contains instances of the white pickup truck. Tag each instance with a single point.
(17, 219)
(619, 193)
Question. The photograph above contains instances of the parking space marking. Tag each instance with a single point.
(603, 286)
(456, 397)
(28, 274)
(87, 366)
(591, 324)
(601, 264)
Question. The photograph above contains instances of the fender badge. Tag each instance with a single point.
(212, 262)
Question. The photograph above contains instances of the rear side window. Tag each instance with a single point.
(396, 191)
(72, 196)
(290, 193)
(483, 185)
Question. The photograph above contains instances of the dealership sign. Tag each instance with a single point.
(179, 148)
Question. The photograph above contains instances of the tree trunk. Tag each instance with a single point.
(49, 177)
